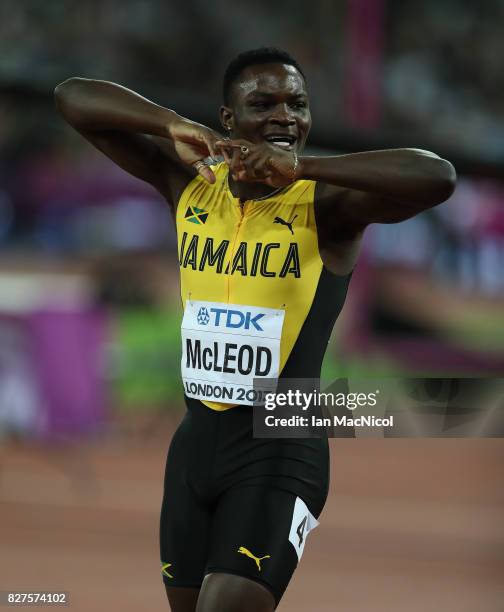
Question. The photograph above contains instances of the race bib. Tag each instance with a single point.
(225, 347)
(302, 523)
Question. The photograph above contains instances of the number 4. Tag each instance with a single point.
(300, 530)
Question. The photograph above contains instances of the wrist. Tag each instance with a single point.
(171, 120)
(299, 168)
(307, 168)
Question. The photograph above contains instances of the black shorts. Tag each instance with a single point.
(236, 504)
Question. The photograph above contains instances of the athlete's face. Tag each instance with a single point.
(269, 102)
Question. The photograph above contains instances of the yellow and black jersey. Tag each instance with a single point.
(246, 269)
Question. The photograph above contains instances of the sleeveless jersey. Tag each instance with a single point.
(257, 298)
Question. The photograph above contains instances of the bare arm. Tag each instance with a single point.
(149, 141)
(353, 190)
(380, 186)
(373, 186)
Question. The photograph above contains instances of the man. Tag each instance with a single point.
(267, 242)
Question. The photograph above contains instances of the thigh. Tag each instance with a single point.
(184, 523)
(259, 533)
(231, 593)
(182, 599)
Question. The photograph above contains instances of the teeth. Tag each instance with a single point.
(279, 141)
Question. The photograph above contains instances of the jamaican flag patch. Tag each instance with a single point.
(196, 215)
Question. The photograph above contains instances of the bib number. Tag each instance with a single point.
(225, 347)
(302, 523)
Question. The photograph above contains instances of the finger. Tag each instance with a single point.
(226, 150)
(236, 143)
(252, 166)
(269, 162)
(207, 174)
(221, 147)
(257, 165)
(239, 173)
(210, 147)
(205, 171)
(253, 170)
(236, 162)
(223, 143)
(248, 177)
(227, 159)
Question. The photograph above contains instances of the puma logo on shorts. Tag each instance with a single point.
(246, 551)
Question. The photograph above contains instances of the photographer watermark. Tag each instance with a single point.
(433, 407)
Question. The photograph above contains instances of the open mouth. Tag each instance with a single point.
(284, 141)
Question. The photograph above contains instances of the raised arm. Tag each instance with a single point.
(380, 186)
(352, 190)
(151, 142)
(356, 189)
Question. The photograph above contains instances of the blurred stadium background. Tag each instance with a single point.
(89, 303)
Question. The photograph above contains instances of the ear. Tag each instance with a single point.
(226, 117)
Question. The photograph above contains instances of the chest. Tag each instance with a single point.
(271, 239)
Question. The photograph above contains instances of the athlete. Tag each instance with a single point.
(267, 241)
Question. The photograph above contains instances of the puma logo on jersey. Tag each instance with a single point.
(246, 551)
(286, 223)
(164, 569)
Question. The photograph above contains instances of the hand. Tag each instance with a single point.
(263, 163)
(194, 142)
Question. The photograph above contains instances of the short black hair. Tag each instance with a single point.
(263, 55)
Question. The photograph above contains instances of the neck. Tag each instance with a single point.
(248, 191)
